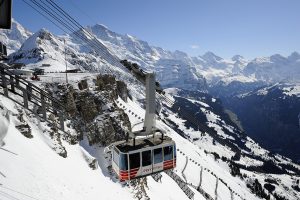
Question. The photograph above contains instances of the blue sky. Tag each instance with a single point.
(226, 27)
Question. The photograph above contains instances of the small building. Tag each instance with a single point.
(46, 65)
(73, 70)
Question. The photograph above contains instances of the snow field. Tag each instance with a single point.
(167, 189)
(213, 119)
(37, 171)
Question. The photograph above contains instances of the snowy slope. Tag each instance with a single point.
(31, 170)
(80, 182)
(253, 161)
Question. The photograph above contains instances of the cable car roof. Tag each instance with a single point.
(142, 143)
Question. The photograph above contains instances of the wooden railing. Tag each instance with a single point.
(14, 85)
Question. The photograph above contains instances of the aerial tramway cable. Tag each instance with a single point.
(53, 12)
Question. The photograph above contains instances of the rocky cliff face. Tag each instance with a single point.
(176, 73)
(93, 111)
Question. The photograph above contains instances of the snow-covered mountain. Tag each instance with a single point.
(194, 73)
(207, 136)
(14, 38)
(45, 48)
(267, 69)
(275, 68)
(183, 74)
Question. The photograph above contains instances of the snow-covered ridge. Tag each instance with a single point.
(285, 88)
(15, 37)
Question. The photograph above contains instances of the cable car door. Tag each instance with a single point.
(158, 160)
(146, 162)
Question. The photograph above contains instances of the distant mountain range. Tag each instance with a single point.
(174, 69)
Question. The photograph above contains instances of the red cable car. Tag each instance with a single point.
(146, 157)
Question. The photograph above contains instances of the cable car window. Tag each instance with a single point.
(157, 157)
(123, 164)
(116, 157)
(168, 153)
(134, 160)
(146, 158)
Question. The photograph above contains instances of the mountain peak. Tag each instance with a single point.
(35, 40)
(237, 58)
(210, 56)
(130, 37)
(100, 26)
(42, 31)
(180, 54)
(19, 27)
(278, 58)
(260, 60)
(43, 34)
(14, 37)
(294, 56)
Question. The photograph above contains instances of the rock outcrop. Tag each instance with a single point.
(92, 111)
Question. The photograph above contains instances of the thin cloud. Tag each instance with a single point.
(194, 46)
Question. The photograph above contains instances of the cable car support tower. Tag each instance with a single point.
(150, 151)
